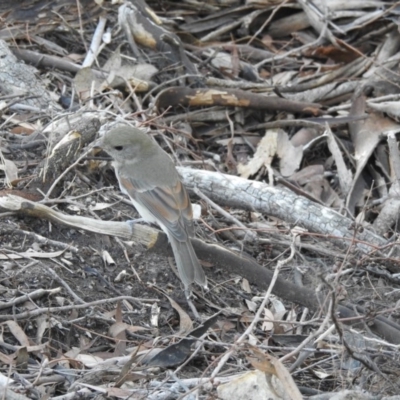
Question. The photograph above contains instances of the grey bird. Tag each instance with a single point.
(149, 177)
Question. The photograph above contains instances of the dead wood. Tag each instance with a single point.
(19, 79)
(187, 97)
(283, 204)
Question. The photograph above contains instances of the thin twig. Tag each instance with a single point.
(61, 176)
(260, 310)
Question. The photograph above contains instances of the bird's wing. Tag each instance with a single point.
(170, 205)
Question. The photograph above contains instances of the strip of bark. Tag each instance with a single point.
(188, 97)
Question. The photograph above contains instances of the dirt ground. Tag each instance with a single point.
(256, 90)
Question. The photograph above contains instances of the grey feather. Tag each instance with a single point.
(188, 265)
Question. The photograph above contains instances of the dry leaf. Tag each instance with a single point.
(251, 305)
(263, 156)
(22, 358)
(344, 174)
(272, 366)
(366, 136)
(304, 136)
(308, 174)
(252, 385)
(290, 156)
(88, 360)
(101, 206)
(18, 333)
(11, 171)
(85, 81)
(268, 324)
(321, 190)
(391, 108)
(278, 308)
(117, 331)
(246, 285)
(185, 324)
(7, 360)
(275, 143)
(31, 254)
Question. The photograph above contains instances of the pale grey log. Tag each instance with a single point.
(279, 202)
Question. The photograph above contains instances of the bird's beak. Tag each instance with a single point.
(98, 142)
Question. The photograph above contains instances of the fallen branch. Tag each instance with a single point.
(188, 97)
(279, 202)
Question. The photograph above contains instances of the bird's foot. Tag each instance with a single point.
(135, 221)
(189, 296)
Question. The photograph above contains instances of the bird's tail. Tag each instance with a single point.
(188, 265)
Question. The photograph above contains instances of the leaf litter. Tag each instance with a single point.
(300, 96)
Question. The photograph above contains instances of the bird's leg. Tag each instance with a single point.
(189, 295)
(135, 221)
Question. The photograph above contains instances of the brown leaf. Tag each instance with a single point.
(271, 365)
(186, 324)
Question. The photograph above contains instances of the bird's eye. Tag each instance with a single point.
(118, 148)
